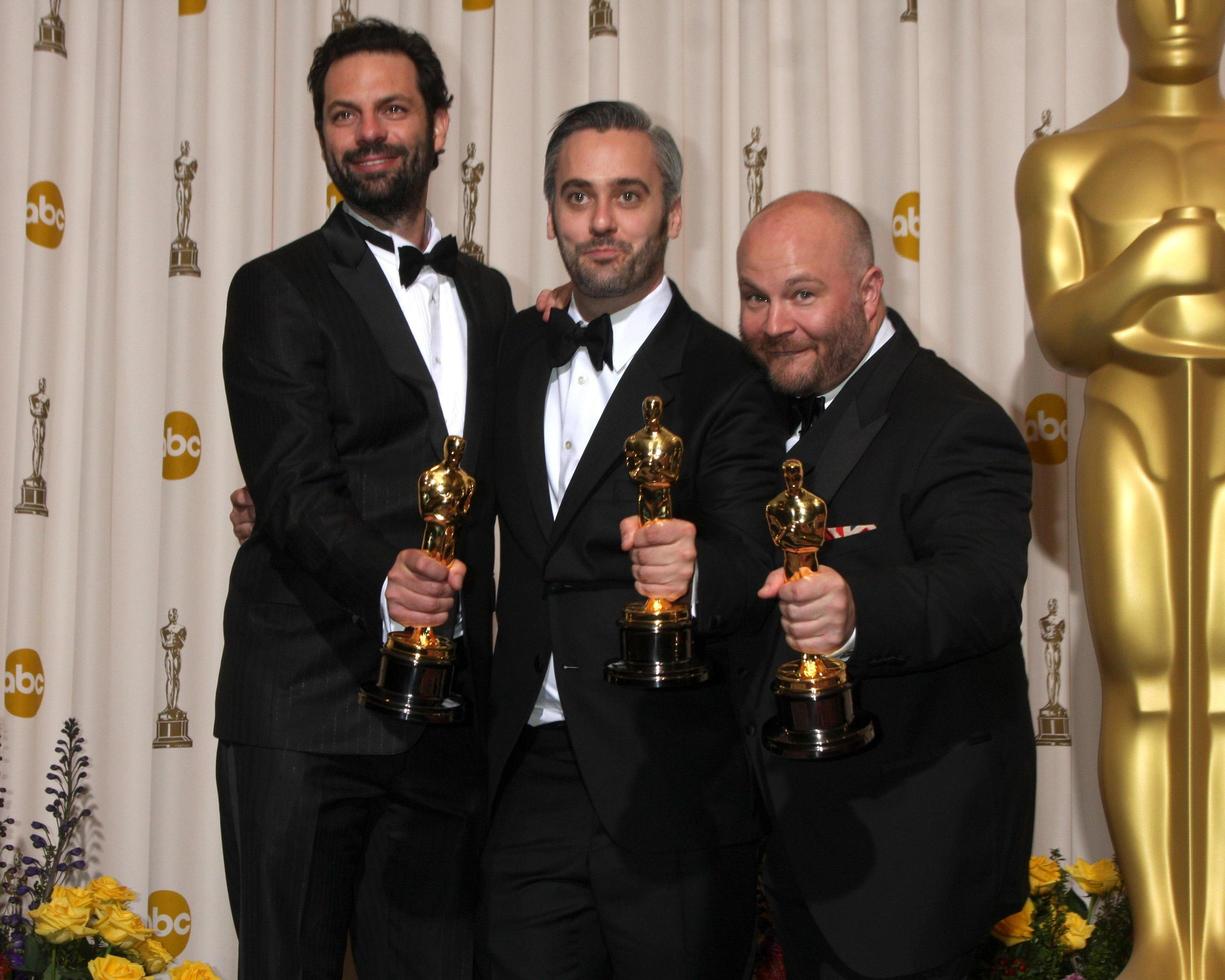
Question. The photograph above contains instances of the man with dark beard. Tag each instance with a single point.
(623, 838)
(349, 356)
(894, 862)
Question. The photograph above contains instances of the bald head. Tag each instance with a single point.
(810, 294)
(827, 215)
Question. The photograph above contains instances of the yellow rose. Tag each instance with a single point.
(107, 891)
(192, 970)
(1076, 931)
(63, 918)
(1097, 878)
(154, 956)
(115, 968)
(121, 927)
(1043, 875)
(1017, 927)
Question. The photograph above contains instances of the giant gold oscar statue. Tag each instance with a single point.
(1124, 256)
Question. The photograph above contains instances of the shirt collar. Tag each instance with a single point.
(432, 235)
(633, 324)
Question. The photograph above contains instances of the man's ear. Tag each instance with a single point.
(548, 224)
(871, 288)
(674, 218)
(442, 124)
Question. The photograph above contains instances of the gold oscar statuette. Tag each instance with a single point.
(656, 634)
(816, 712)
(1123, 244)
(418, 663)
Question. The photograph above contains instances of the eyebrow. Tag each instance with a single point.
(382, 101)
(620, 183)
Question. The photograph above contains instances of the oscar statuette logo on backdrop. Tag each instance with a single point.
(755, 153)
(170, 920)
(184, 253)
(189, 7)
(600, 19)
(470, 173)
(1053, 728)
(51, 32)
(343, 17)
(24, 683)
(181, 446)
(906, 226)
(34, 487)
(172, 720)
(45, 214)
(1046, 429)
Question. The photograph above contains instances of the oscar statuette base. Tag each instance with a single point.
(184, 258)
(1053, 726)
(172, 730)
(656, 649)
(414, 681)
(816, 716)
(33, 497)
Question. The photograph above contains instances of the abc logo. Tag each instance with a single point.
(170, 920)
(1046, 429)
(44, 214)
(906, 226)
(334, 196)
(180, 446)
(24, 683)
(187, 7)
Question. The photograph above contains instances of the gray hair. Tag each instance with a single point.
(603, 116)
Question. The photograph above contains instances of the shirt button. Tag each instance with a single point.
(569, 444)
(582, 379)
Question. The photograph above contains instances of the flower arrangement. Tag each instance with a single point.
(50, 930)
(1075, 925)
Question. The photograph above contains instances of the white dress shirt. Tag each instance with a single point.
(575, 400)
(436, 320)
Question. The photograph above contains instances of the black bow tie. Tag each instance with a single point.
(441, 258)
(805, 409)
(566, 337)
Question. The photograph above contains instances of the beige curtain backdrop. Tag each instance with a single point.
(919, 120)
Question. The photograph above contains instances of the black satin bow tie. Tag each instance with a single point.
(805, 409)
(566, 337)
(441, 258)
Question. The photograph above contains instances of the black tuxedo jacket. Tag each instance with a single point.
(334, 416)
(665, 769)
(909, 852)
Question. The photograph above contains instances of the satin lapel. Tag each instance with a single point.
(359, 275)
(836, 443)
(658, 360)
(480, 356)
(532, 378)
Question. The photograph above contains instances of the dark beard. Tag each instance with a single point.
(642, 268)
(387, 196)
(842, 350)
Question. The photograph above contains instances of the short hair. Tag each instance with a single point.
(375, 34)
(603, 116)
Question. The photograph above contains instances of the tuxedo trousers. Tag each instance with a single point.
(561, 899)
(379, 849)
(807, 955)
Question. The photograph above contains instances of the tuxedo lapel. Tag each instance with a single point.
(533, 384)
(480, 363)
(359, 275)
(832, 447)
(650, 372)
